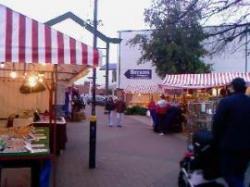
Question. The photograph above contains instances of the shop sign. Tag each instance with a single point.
(138, 74)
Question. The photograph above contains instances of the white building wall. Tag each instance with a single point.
(128, 58)
(228, 60)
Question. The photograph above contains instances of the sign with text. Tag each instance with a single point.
(138, 74)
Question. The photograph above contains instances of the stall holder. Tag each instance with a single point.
(34, 54)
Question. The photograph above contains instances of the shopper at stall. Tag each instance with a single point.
(110, 107)
(152, 110)
(161, 109)
(231, 127)
(120, 107)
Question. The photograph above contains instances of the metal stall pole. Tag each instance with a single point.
(51, 128)
(55, 79)
(92, 129)
(51, 134)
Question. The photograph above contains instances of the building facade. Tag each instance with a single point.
(130, 74)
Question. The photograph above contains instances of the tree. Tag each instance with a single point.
(174, 45)
(230, 20)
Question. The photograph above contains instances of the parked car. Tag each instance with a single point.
(100, 100)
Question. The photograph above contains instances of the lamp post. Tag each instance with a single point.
(92, 127)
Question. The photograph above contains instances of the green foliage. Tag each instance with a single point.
(174, 45)
(136, 110)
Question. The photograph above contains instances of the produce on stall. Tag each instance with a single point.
(141, 95)
(25, 140)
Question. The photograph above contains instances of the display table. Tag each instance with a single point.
(33, 157)
(61, 132)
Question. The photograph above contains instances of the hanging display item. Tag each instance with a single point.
(33, 83)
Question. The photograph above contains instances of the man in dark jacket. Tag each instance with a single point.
(231, 131)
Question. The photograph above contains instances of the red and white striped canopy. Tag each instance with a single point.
(24, 40)
(198, 81)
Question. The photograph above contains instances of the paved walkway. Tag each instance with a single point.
(129, 156)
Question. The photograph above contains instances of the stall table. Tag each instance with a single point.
(28, 159)
(61, 132)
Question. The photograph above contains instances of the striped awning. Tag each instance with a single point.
(199, 81)
(25, 40)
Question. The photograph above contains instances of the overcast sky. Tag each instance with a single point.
(115, 15)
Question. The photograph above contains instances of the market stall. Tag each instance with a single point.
(199, 94)
(35, 62)
(200, 86)
(142, 94)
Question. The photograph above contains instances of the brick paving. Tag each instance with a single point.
(129, 156)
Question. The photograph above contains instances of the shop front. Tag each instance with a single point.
(142, 95)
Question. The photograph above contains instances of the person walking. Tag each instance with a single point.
(120, 107)
(110, 106)
(231, 127)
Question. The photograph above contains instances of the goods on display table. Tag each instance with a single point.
(22, 147)
(61, 131)
(140, 95)
(24, 141)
